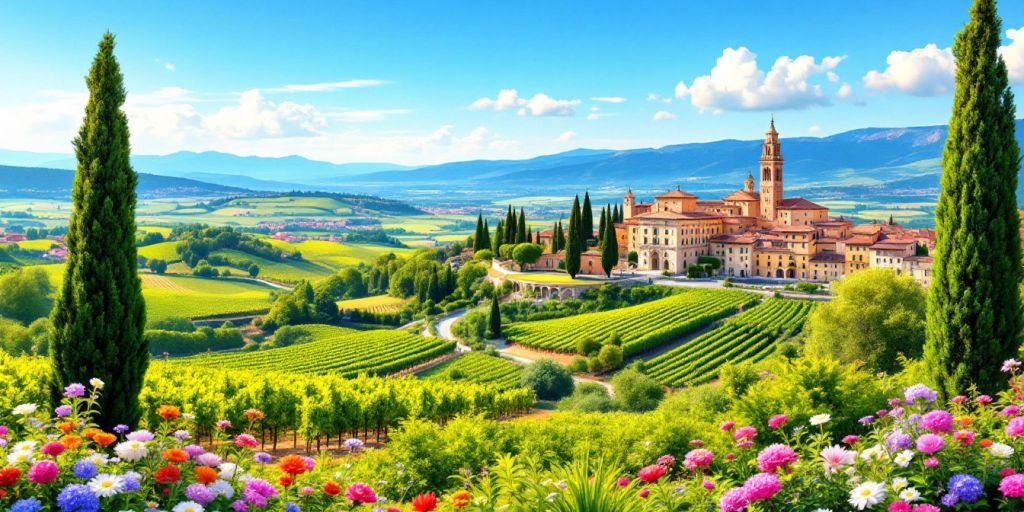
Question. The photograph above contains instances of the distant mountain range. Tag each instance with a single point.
(869, 161)
(56, 184)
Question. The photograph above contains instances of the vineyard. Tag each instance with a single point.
(197, 297)
(338, 352)
(641, 327)
(375, 304)
(479, 368)
(748, 337)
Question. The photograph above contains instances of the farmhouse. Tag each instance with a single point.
(761, 233)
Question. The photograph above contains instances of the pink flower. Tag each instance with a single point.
(52, 449)
(937, 421)
(1012, 486)
(708, 484)
(1010, 410)
(1005, 472)
(666, 460)
(306, 491)
(881, 413)
(624, 481)
(983, 400)
(777, 421)
(361, 493)
(698, 458)
(734, 500)
(696, 443)
(1015, 427)
(931, 462)
(744, 444)
(930, 443)
(730, 456)
(924, 507)
(651, 473)
(959, 399)
(899, 506)
(727, 425)
(774, 457)
(966, 437)
(851, 439)
(836, 456)
(246, 441)
(43, 472)
(223, 424)
(745, 433)
(644, 493)
(762, 486)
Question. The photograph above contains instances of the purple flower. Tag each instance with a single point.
(898, 441)
(121, 429)
(930, 443)
(262, 457)
(3, 430)
(75, 390)
(62, 411)
(866, 420)
(257, 491)
(77, 498)
(1010, 364)
(353, 444)
(132, 481)
(181, 435)
(239, 506)
(937, 421)
(84, 469)
(194, 450)
(209, 459)
(200, 494)
(141, 436)
(965, 487)
(919, 392)
(310, 463)
(950, 499)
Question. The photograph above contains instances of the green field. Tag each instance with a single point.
(549, 278)
(336, 351)
(33, 245)
(197, 297)
(163, 251)
(288, 270)
(337, 255)
(747, 337)
(477, 367)
(641, 327)
(375, 304)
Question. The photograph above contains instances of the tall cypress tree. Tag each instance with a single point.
(487, 236)
(609, 248)
(99, 315)
(604, 219)
(478, 235)
(494, 319)
(521, 227)
(574, 241)
(499, 234)
(554, 238)
(615, 214)
(561, 236)
(974, 309)
(510, 226)
(587, 220)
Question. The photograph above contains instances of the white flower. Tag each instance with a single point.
(19, 457)
(822, 510)
(25, 446)
(223, 488)
(902, 459)
(131, 450)
(25, 409)
(96, 383)
(1000, 450)
(820, 419)
(876, 452)
(100, 459)
(188, 416)
(187, 506)
(105, 486)
(899, 483)
(835, 457)
(910, 494)
(229, 470)
(866, 495)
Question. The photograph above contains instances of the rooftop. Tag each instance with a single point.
(799, 203)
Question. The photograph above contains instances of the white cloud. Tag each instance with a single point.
(920, 72)
(608, 99)
(1013, 55)
(662, 115)
(567, 136)
(326, 86)
(844, 91)
(814, 129)
(736, 83)
(655, 97)
(538, 106)
(168, 66)
(256, 117)
(357, 116)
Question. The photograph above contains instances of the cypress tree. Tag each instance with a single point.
(521, 227)
(499, 235)
(604, 219)
(561, 236)
(554, 237)
(99, 314)
(974, 308)
(574, 242)
(587, 220)
(529, 234)
(494, 319)
(478, 236)
(487, 236)
(615, 214)
(609, 248)
(510, 227)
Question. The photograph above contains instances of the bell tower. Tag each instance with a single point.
(771, 173)
(749, 184)
(627, 205)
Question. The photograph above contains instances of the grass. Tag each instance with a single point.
(35, 245)
(376, 304)
(289, 270)
(549, 278)
(164, 251)
(477, 367)
(163, 230)
(197, 297)
(336, 255)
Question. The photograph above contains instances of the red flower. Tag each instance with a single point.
(9, 475)
(651, 473)
(285, 480)
(293, 464)
(424, 502)
(332, 488)
(167, 474)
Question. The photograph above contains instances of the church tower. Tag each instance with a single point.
(627, 205)
(771, 173)
(749, 184)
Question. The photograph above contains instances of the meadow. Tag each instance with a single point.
(374, 304)
(479, 368)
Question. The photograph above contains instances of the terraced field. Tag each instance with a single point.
(375, 304)
(336, 351)
(479, 368)
(749, 336)
(641, 327)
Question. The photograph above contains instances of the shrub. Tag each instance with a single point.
(178, 343)
(292, 335)
(588, 346)
(25, 295)
(173, 323)
(588, 397)
(577, 365)
(548, 379)
(483, 254)
(635, 391)
(610, 357)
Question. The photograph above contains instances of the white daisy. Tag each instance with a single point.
(25, 409)
(223, 488)
(899, 483)
(105, 485)
(100, 459)
(187, 506)
(902, 459)
(131, 450)
(1000, 450)
(910, 494)
(96, 383)
(25, 446)
(876, 452)
(19, 457)
(820, 419)
(866, 495)
(229, 470)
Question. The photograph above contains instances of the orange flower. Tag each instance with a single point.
(206, 475)
(985, 443)
(104, 439)
(71, 442)
(964, 421)
(175, 455)
(90, 432)
(293, 464)
(460, 498)
(285, 480)
(66, 426)
(168, 412)
(332, 488)
(254, 415)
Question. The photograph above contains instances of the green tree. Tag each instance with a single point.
(609, 248)
(487, 236)
(526, 254)
(511, 222)
(875, 315)
(548, 379)
(157, 266)
(99, 315)
(254, 270)
(974, 306)
(587, 221)
(25, 295)
(601, 225)
(478, 235)
(494, 319)
(635, 391)
(573, 246)
(499, 237)
(610, 357)
(521, 227)
(560, 236)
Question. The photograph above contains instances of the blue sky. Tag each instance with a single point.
(421, 82)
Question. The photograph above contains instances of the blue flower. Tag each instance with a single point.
(78, 498)
(966, 487)
(84, 469)
(291, 507)
(26, 505)
(950, 499)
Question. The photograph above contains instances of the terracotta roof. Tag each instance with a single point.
(733, 239)
(793, 229)
(866, 229)
(547, 232)
(799, 203)
(711, 201)
(739, 219)
(676, 193)
(893, 244)
(680, 216)
(859, 240)
(743, 195)
(830, 223)
(828, 256)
